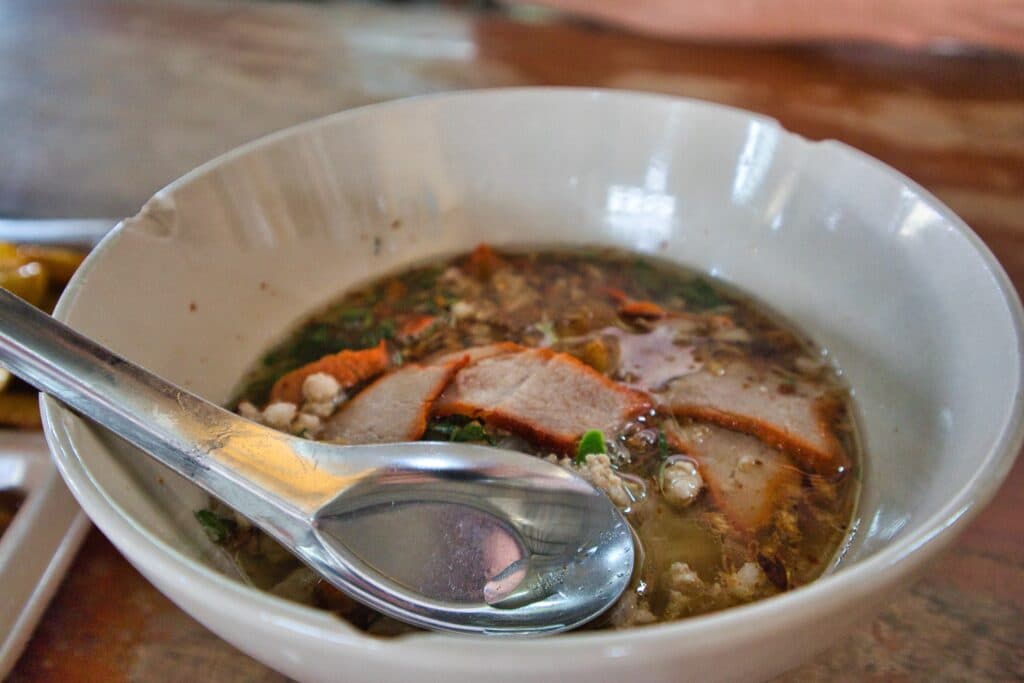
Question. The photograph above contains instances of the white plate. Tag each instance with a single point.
(38, 547)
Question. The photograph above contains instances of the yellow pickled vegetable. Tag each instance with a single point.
(60, 264)
(28, 281)
(5, 379)
(595, 354)
(8, 256)
(20, 409)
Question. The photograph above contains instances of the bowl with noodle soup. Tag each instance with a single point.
(795, 370)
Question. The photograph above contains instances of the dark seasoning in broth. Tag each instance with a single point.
(724, 435)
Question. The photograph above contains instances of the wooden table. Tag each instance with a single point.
(102, 103)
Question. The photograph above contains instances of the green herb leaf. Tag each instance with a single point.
(473, 431)
(385, 330)
(662, 444)
(592, 442)
(453, 429)
(646, 276)
(699, 295)
(547, 328)
(217, 528)
(271, 357)
(353, 314)
(443, 428)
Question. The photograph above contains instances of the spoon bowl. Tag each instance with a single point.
(451, 537)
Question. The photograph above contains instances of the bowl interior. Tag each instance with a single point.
(911, 306)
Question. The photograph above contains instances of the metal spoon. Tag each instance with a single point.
(445, 536)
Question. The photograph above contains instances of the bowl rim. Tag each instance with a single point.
(889, 566)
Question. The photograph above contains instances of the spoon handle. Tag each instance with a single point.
(179, 429)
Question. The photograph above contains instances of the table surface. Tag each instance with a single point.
(103, 103)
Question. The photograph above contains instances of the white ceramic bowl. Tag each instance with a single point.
(914, 308)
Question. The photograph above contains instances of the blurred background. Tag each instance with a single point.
(103, 102)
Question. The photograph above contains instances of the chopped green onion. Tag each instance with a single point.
(591, 443)
(547, 329)
(662, 444)
(699, 295)
(472, 431)
(461, 433)
(384, 330)
(217, 528)
(441, 428)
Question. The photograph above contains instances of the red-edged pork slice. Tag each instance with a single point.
(393, 408)
(748, 480)
(348, 367)
(475, 353)
(650, 359)
(548, 397)
(797, 418)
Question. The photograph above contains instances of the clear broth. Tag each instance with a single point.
(591, 304)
